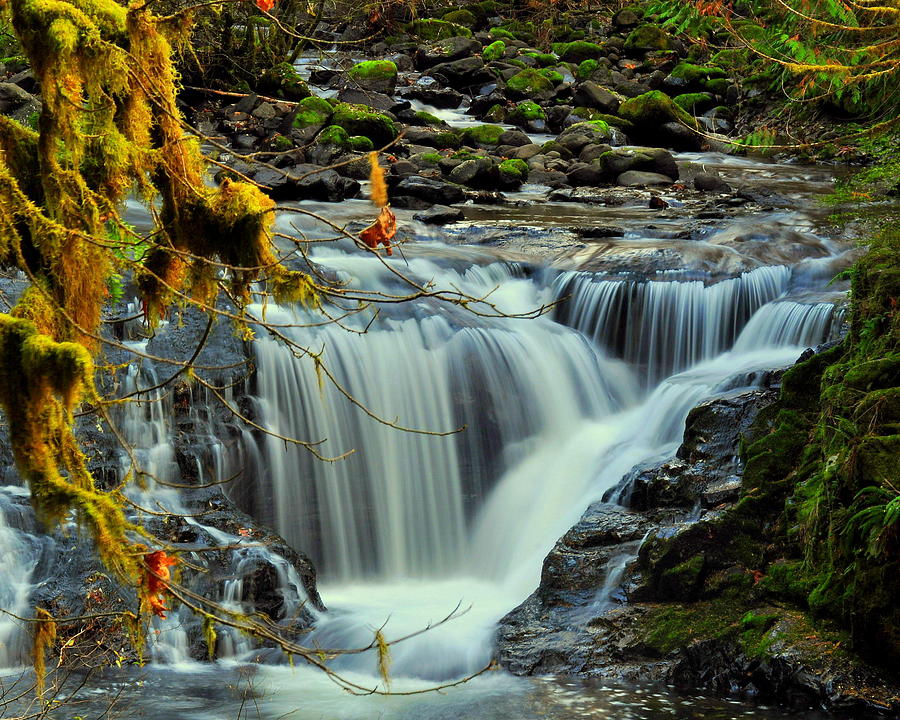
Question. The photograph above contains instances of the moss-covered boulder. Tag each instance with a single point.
(336, 136)
(283, 81)
(494, 51)
(374, 75)
(578, 51)
(652, 109)
(688, 77)
(545, 60)
(431, 29)
(463, 17)
(694, 103)
(501, 34)
(360, 120)
(513, 172)
(647, 37)
(483, 135)
(529, 83)
(525, 114)
(359, 143)
(312, 112)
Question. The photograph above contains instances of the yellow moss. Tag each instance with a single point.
(44, 637)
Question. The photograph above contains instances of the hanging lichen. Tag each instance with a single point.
(44, 637)
(109, 126)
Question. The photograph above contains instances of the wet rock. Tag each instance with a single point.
(706, 182)
(448, 50)
(516, 138)
(590, 94)
(14, 98)
(377, 76)
(636, 178)
(25, 80)
(478, 173)
(439, 215)
(435, 192)
(620, 160)
(369, 98)
(462, 74)
(586, 174)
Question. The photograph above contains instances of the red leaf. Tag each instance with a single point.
(156, 579)
(381, 231)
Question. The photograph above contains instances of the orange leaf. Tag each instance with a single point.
(381, 231)
(265, 5)
(376, 178)
(156, 579)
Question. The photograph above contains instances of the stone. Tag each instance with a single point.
(516, 138)
(590, 94)
(265, 111)
(646, 37)
(462, 74)
(636, 178)
(369, 98)
(436, 192)
(12, 97)
(378, 76)
(706, 182)
(586, 174)
(439, 215)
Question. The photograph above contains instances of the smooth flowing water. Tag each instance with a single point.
(513, 426)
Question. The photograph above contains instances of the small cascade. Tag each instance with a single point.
(791, 322)
(21, 550)
(664, 327)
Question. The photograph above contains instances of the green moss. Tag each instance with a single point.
(695, 74)
(447, 140)
(280, 143)
(359, 143)
(496, 114)
(426, 118)
(586, 69)
(483, 135)
(501, 34)
(437, 29)
(384, 71)
(690, 101)
(334, 135)
(553, 76)
(283, 81)
(494, 51)
(360, 120)
(514, 169)
(432, 158)
(529, 82)
(517, 63)
(543, 59)
(462, 17)
(312, 111)
(524, 112)
(672, 627)
(578, 51)
(647, 37)
(653, 109)
(682, 581)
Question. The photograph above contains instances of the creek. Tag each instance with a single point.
(412, 528)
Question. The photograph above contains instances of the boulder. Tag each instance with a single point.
(435, 192)
(647, 37)
(462, 74)
(360, 120)
(481, 173)
(578, 51)
(439, 215)
(636, 178)
(707, 182)
(447, 50)
(590, 94)
(529, 83)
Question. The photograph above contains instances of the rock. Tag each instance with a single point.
(576, 137)
(695, 103)
(591, 152)
(636, 178)
(578, 51)
(462, 74)
(706, 182)
(513, 173)
(529, 83)
(435, 192)
(626, 18)
(623, 159)
(477, 173)
(447, 50)
(483, 135)
(430, 29)
(590, 94)
(360, 120)
(433, 94)
(265, 111)
(316, 183)
(12, 97)
(526, 152)
(688, 78)
(528, 115)
(647, 37)
(312, 112)
(586, 174)
(367, 98)
(439, 215)
(25, 80)
(378, 76)
(650, 111)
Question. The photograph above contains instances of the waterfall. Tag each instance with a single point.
(21, 549)
(663, 327)
(399, 506)
(789, 322)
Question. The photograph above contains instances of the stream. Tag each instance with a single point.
(412, 528)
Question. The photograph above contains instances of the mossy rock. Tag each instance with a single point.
(334, 135)
(514, 170)
(375, 75)
(586, 69)
(359, 143)
(313, 111)
(694, 103)
(652, 109)
(717, 86)
(682, 581)
(462, 17)
(447, 140)
(494, 51)
(361, 120)
(496, 114)
(430, 158)
(426, 118)
(436, 29)
(543, 59)
(695, 74)
(517, 63)
(483, 135)
(525, 112)
(501, 34)
(529, 83)
(283, 81)
(578, 51)
(647, 37)
(553, 76)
